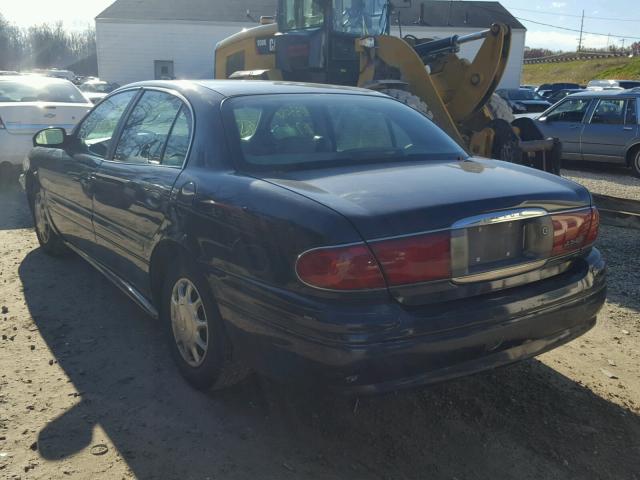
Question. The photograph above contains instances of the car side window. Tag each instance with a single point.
(609, 112)
(147, 129)
(631, 114)
(178, 143)
(571, 110)
(97, 129)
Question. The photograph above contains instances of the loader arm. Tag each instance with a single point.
(397, 53)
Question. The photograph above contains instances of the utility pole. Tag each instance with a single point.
(581, 26)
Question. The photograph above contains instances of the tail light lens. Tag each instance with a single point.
(421, 258)
(340, 268)
(574, 230)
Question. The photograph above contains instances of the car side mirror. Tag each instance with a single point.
(50, 137)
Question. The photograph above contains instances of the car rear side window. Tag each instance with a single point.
(631, 114)
(98, 128)
(311, 130)
(177, 147)
(147, 129)
(571, 110)
(609, 112)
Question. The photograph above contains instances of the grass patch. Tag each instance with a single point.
(581, 71)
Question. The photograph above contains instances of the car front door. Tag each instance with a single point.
(565, 122)
(133, 188)
(67, 174)
(612, 127)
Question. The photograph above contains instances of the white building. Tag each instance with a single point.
(147, 39)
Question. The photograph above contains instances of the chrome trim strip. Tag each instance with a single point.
(500, 217)
(501, 273)
(123, 285)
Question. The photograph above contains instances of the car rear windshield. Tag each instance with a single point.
(316, 130)
(40, 89)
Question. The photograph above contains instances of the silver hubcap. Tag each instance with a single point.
(189, 322)
(42, 224)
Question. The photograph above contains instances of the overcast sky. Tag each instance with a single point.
(617, 17)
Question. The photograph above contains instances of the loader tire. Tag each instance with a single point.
(409, 99)
(500, 109)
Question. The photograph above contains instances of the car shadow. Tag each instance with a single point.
(13, 207)
(527, 418)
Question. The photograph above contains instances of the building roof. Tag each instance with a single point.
(460, 14)
(433, 13)
(189, 10)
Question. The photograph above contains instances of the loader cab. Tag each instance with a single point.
(317, 37)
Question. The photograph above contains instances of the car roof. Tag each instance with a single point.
(607, 93)
(232, 88)
(33, 79)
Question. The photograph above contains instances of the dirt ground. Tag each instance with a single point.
(88, 391)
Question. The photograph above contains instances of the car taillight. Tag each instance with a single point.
(420, 258)
(340, 268)
(574, 230)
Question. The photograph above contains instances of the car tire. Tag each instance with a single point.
(635, 163)
(195, 330)
(50, 241)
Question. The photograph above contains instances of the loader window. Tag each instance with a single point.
(360, 17)
(317, 130)
(302, 14)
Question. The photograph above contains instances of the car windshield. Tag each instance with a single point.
(309, 131)
(40, 89)
(524, 94)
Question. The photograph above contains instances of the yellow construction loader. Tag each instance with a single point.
(348, 42)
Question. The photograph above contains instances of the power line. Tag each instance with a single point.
(556, 14)
(576, 30)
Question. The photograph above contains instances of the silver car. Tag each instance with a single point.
(597, 126)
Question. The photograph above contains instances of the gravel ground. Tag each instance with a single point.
(612, 181)
(88, 391)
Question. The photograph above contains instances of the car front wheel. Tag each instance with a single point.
(197, 337)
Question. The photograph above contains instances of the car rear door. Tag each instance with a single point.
(66, 174)
(133, 187)
(565, 121)
(612, 126)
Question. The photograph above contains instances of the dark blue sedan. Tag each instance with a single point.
(318, 234)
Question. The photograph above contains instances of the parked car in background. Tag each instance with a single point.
(560, 94)
(522, 100)
(95, 89)
(4, 73)
(29, 103)
(64, 74)
(316, 233)
(548, 89)
(597, 126)
(612, 84)
(529, 87)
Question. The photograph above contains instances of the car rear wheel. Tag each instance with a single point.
(195, 329)
(50, 242)
(635, 163)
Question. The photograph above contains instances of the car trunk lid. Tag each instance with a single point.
(496, 214)
(27, 118)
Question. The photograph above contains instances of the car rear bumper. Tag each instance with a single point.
(493, 331)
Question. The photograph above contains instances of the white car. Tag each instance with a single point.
(29, 104)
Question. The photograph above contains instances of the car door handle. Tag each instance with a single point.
(187, 193)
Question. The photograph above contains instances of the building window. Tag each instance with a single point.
(163, 69)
